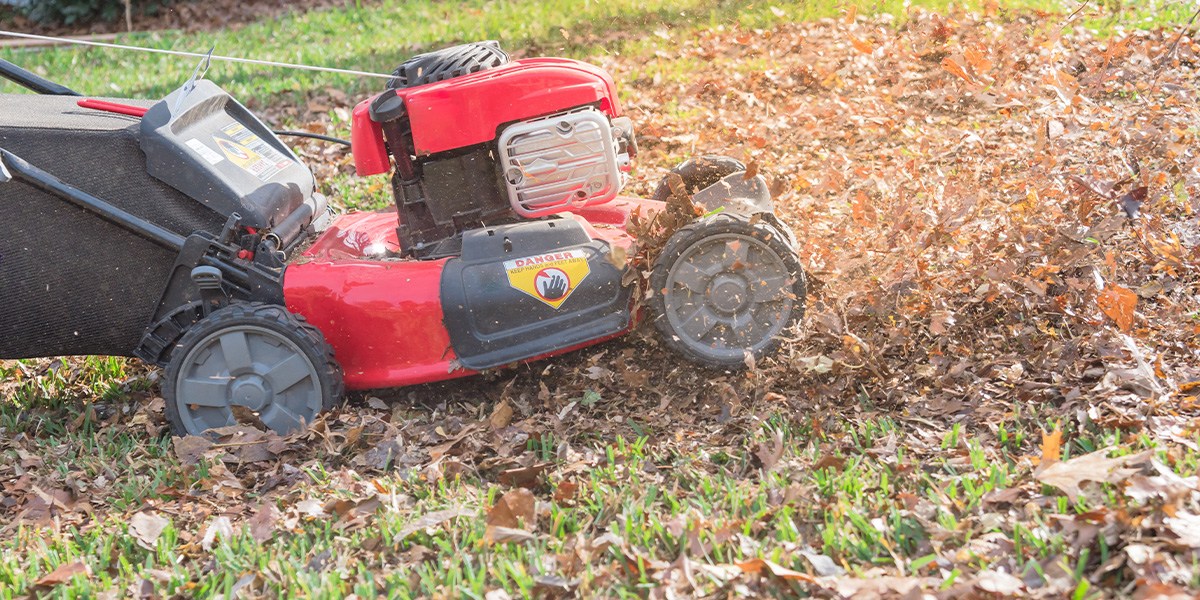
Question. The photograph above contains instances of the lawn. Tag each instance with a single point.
(995, 391)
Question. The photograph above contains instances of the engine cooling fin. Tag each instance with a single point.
(448, 63)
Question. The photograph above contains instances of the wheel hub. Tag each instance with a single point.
(250, 391)
(728, 293)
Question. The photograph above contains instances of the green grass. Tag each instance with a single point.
(377, 37)
(873, 509)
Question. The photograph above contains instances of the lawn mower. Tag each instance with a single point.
(184, 232)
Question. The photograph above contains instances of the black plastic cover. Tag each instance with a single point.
(448, 63)
(205, 144)
(491, 322)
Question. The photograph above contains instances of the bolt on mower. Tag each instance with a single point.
(184, 232)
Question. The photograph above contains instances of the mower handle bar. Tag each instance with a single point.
(32, 81)
(14, 167)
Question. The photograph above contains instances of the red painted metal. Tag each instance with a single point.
(366, 142)
(113, 107)
(471, 109)
(383, 316)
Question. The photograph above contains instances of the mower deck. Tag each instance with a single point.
(384, 316)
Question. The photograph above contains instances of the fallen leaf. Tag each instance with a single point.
(220, 527)
(526, 477)
(264, 523)
(770, 453)
(1051, 447)
(428, 520)
(501, 415)
(998, 583)
(1096, 467)
(146, 528)
(758, 565)
(189, 449)
(1118, 303)
(565, 491)
(1187, 527)
(496, 534)
(514, 508)
(63, 574)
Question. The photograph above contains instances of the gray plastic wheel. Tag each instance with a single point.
(724, 287)
(261, 358)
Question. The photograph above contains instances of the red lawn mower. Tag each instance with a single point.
(185, 233)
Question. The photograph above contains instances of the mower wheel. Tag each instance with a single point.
(698, 173)
(247, 363)
(724, 286)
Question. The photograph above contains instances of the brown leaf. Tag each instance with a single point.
(189, 449)
(442, 449)
(436, 517)
(999, 583)
(526, 477)
(496, 534)
(501, 415)
(751, 170)
(829, 461)
(954, 66)
(861, 45)
(63, 574)
(758, 565)
(1068, 476)
(514, 509)
(565, 491)
(1118, 303)
(769, 453)
(1051, 447)
(146, 528)
(263, 524)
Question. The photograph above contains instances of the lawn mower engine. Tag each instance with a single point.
(215, 258)
(529, 139)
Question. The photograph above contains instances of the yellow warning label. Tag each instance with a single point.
(549, 277)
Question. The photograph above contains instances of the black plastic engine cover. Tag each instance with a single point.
(448, 63)
(527, 289)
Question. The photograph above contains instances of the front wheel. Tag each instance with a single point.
(724, 286)
(246, 363)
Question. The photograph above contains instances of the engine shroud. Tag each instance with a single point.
(560, 162)
(482, 142)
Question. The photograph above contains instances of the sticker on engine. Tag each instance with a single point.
(551, 277)
(208, 154)
(250, 152)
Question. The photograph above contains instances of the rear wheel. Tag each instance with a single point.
(247, 363)
(724, 287)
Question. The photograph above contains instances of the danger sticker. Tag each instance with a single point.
(549, 277)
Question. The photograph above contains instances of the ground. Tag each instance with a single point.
(995, 392)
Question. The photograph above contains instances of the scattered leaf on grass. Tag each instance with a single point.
(432, 519)
(496, 534)
(63, 574)
(1096, 467)
(146, 528)
(759, 565)
(515, 508)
